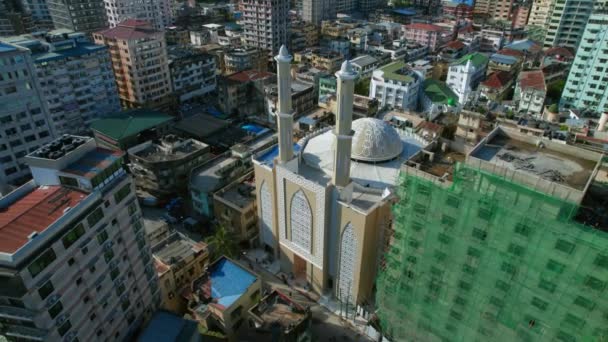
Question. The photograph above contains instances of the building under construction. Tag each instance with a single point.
(487, 244)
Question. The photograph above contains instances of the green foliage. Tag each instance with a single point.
(222, 243)
(553, 108)
(362, 87)
(554, 90)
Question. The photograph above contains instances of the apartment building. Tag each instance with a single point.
(24, 116)
(465, 75)
(397, 86)
(530, 92)
(14, 19)
(235, 208)
(307, 33)
(364, 65)
(432, 36)
(243, 93)
(315, 11)
(118, 11)
(303, 96)
(566, 23)
(325, 60)
(540, 13)
(75, 76)
(78, 15)
(520, 16)
(41, 18)
(162, 167)
(265, 23)
(140, 63)
(241, 59)
(586, 84)
(75, 258)
(193, 73)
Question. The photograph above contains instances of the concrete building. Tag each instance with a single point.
(150, 11)
(241, 59)
(308, 32)
(437, 97)
(315, 11)
(41, 18)
(520, 16)
(279, 318)
(243, 93)
(265, 23)
(79, 16)
(178, 36)
(586, 84)
(465, 75)
(15, 18)
(364, 65)
(75, 76)
(432, 36)
(530, 92)
(140, 64)
(303, 97)
(458, 11)
(193, 73)
(124, 130)
(162, 168)
(566, 23)
(171, 328)
(540, 13)
(24, 116)
(76, 261)
(178, 260)
(496, 86)
(505, 60)
(322, 216)
(220, 298)
(396, 86)
(235, 208)
(453, 50)
(325, 60)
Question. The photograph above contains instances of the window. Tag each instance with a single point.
(539, 303)
(78, 281)
(108, 255)
(555, 266)
(68, 181)
(547, 285)
(95, 217)
(122, 193)
(114, 273)
(64, 328)
(584, 302)
(516, 249)
(42, 262)
(125, 304)
(132, 208)
(73, 235)
(120, 289)
(594, 283)
(479, 233)
(46, 289)
(564, 246)
(92, 317)
(102, 237)
(55, 309)
(601, 261)
(522, 229)
(71, 261)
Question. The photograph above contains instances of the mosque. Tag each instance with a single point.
(324, 202)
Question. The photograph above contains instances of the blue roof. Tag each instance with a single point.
(521, 45)
(79, 50)
(308, 121)
(503, 59)
(405, 11)
(269, 156)
(6, 47)
(167, 327)
(466, 2)
(229, 281)
(254, 128)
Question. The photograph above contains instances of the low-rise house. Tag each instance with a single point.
(505, 60)
(397, 86)
(327, 60)
(465, 75)
(432, 36)
(303, 99)
(123, 130)
(221, 297)
(364, 65)
(241, 59)
(453, 50)
(243, 92)
(556, 63)
(470, 125)
(162, 167)
(235, 208)
(530, 92)
(178, 261)
(496, 86)
(437, 97)
(279, 318)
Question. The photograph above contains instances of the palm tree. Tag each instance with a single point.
(222, 243)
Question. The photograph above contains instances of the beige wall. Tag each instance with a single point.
(263, 174)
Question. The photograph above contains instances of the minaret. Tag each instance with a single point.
(344, 117)
(285, 112)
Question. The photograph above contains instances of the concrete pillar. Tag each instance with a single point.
(603, 121)
(284, 111)
(343, 131)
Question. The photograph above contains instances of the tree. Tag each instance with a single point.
(554, 90)
(222, 243)
(362, 87)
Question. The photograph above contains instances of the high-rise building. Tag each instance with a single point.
(75, 77)
(265, 23)
(139, 59)
(15, 18)
(566, 23)
(588, 77)
(41, 16)
(540, 13)
(78, 15)
(76, 263)
(118, 11)
(490, 250)
(24, 115)
(315, 11)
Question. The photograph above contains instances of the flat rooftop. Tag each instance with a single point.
(33, 213)
(551, 165)
(167, 149)
(165, 326)
(176, 248)
(240, 194)
(443, 163)
(93, 163)
(277, 308)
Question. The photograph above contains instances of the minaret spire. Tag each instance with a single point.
(285, 111)
(344, 117)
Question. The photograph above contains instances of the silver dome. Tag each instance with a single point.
(375, 141)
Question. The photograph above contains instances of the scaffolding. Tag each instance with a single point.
(485, 259)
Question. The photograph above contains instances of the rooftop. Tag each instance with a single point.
(525, 45)
(439, 92)
(240, 194)
(424, 27)
(167, 327)
(497, 79)
(94, 162)
(504, 59)
(278, 309)
(59, 147)
(532, 79)
(130, 29)
(398, 71)
(33, 213)
(442, 163)
(249, 75)
(129, 123)
(363, 61)
(177, 248)
(477, 59)
(224, 283)
(168, 148)
(559, 51)
(201, 125)
(6, 47)
(268, 156)
(455, 45)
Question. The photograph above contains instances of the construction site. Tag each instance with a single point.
(495, 246)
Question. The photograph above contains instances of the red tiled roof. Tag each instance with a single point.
(249, 75)
(559, 50)
(455, 44)
(431, 126)
(424, 27)
(532, 79)
(34, 212)
(466, 29)
(509, 52)
(129, 29)
(497, 79)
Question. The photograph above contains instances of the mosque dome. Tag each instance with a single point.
(375, 141)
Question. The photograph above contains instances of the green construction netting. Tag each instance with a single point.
(484, 259)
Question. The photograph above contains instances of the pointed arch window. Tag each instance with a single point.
(301, 221)
(348, 255)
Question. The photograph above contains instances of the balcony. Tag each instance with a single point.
(11, 312)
